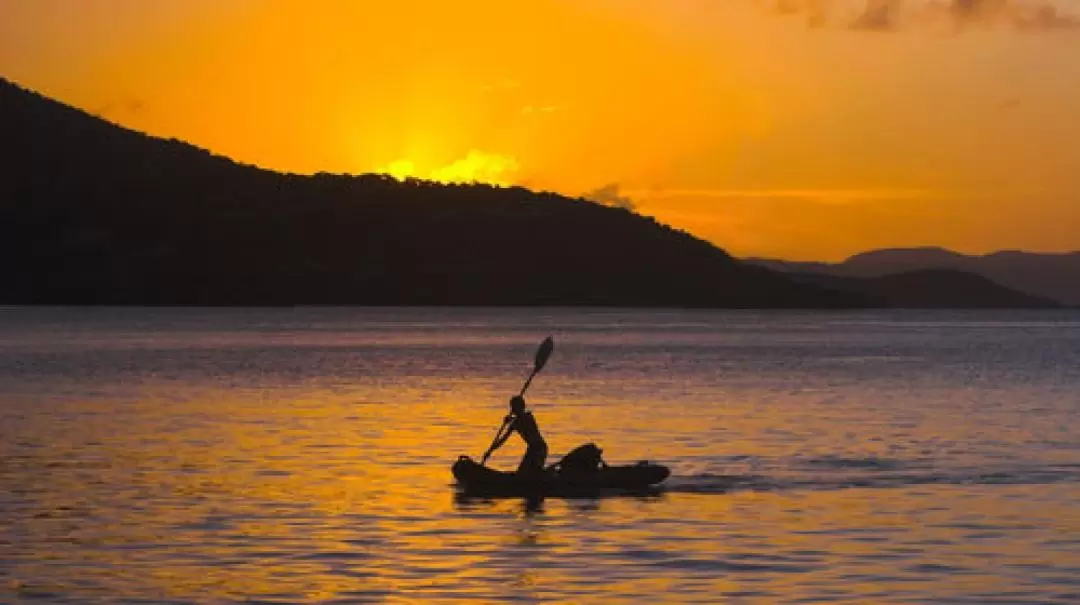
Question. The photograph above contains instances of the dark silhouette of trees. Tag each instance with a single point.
(98, 214)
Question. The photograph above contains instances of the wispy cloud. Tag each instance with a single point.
(541, 109)
(825, 196)
(877, 15)
(816, 12)
(610, 195)
(958, 15)
(120, 108)
(1021, 14)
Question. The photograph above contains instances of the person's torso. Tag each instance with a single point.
(529, 431)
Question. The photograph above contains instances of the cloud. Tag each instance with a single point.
(609, 195)
(835, 196)
(878, 15)
(815, 11)
(533, 109)
(895, 15)
(120, 108)
(1021, 14)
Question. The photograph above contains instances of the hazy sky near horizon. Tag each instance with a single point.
(803, 129)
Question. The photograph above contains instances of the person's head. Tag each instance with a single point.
(517, 404)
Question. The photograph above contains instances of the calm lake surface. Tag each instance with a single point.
(284, 456)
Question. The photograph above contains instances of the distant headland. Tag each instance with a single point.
(1048, 276)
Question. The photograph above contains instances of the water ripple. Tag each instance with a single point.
(300, 456)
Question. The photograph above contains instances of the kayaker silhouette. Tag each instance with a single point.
(522, 422)
(583, 470)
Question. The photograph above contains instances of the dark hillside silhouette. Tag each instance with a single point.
(98, 214)
(1043, 275)
(930, 289)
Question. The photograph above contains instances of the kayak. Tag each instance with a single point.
(560, 479)
(476, 479)
(582, 472)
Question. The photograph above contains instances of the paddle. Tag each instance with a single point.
(542, 355)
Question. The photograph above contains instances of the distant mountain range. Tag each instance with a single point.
(1047, 276)
(929, 289)
(93, 213)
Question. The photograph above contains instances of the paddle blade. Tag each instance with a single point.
(543, 353)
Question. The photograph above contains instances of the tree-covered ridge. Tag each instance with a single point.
(98, 214)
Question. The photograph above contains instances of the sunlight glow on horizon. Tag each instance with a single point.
(475, 167)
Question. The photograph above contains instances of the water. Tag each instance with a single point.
(220, 456)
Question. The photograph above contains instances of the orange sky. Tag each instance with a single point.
(804, 129)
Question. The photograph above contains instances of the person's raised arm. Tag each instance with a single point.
(511, 424)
